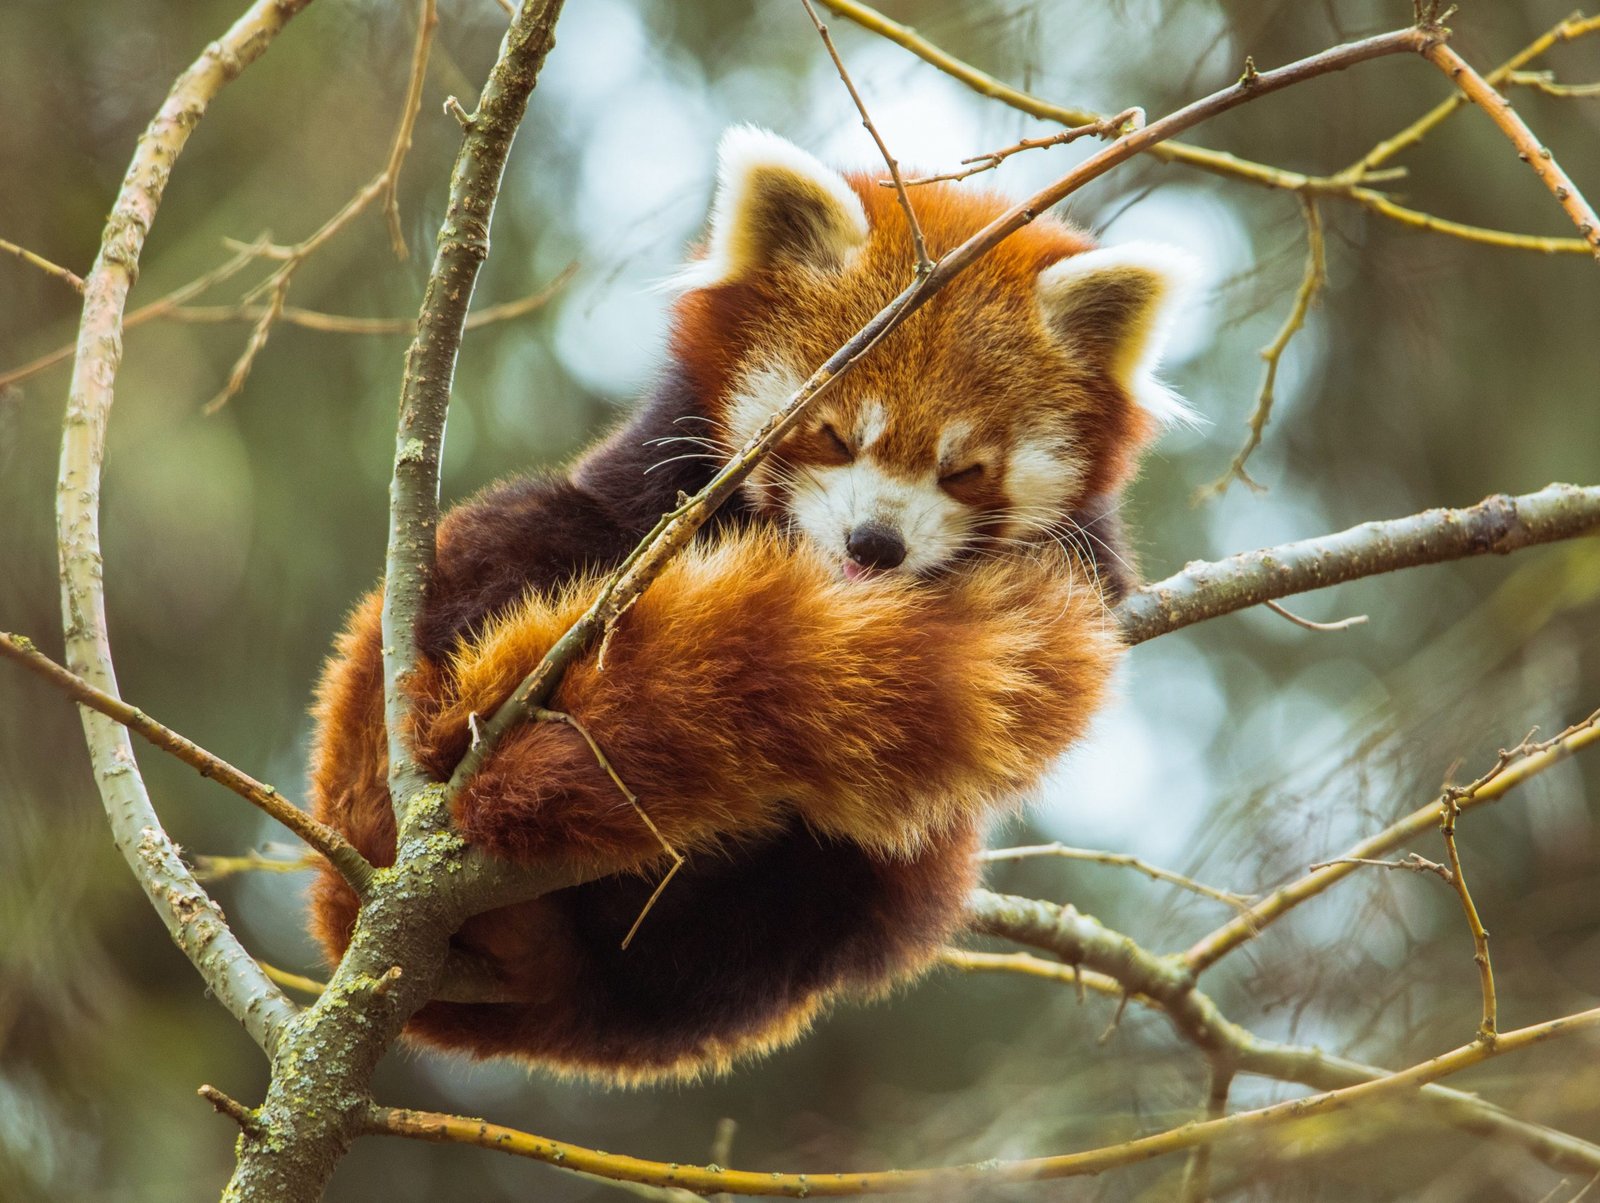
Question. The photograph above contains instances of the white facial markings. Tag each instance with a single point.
(871, 422)
(759, 394)
(933, 525)
(1040, 476)
(954, 443)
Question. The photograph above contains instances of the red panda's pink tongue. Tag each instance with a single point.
(856, 572)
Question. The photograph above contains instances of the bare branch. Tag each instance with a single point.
(919, 246)
(1498, 524)
(1110, 127)
(1488, 1025)
(427, 22)
(1412, 861)
(1311, 284)
(1529, 149)
(1511, 770)
(1343, 624)
(342, 854)
(438, 1128)
(462, 246)
(192, 919)
(70, 278)
(1095, 856)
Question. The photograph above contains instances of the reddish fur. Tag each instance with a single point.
(824, 753)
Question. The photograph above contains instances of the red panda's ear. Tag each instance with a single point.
(775, 204)
(1112, 307)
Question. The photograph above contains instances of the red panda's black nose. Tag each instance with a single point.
(874, 545)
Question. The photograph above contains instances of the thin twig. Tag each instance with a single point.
(919, 247)
(427, 22)
(216, 868)
(1311, 284)
(1109, 127)
(1529, 150)
(1498, 524)
(1197, 1174)
(293, 981)
(335, 323)
(560, 716)
(1489, 1023)
(1343, 624)
(1346, 184)
(70, 278)
(1545, 82)
(1122, 859)
(232, 1108)
(1411, 861)
(1114, 964)
(342, 854)
(243, 256)
(450, 1129)
(1511, 770)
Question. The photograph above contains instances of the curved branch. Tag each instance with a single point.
(341, 853)
(192, 919)
(1500, 524)
(707, 1180)
(1112, 963)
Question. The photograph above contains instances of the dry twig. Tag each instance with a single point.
(1343, 624)
(1109, 127)
(342, 854)
(1512, 769)
(1450, 806)
(70, 278)
(919, 246)
(1095, 856)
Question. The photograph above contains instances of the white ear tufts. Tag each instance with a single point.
(757, 170)
(1118, 304)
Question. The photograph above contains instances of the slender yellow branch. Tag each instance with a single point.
(70, 278)
(1529, 149)
(1122, 859)
(1488, 1025)
(427, 22)
(1311, 283)
(1499, 781)
(706, 1180)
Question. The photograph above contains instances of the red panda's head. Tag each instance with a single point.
(1019, 393)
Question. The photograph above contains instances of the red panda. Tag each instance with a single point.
(877, 645)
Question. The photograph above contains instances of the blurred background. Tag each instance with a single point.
(1240, 750)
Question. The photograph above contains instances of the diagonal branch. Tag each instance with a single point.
(1500, 524)
(1512, 769)
(341, 853)
(675, 529)
(193, 920)
(1113, 964)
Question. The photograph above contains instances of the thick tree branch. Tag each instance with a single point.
(1498, 524)
(193, 920)
(342, 854)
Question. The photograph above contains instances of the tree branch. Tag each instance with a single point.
(705, 1180)
(342, 854)
(192, 919)
(1115, 965)
(677, 528)
(1512, 769)
(1500, 524)
(462, 246)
